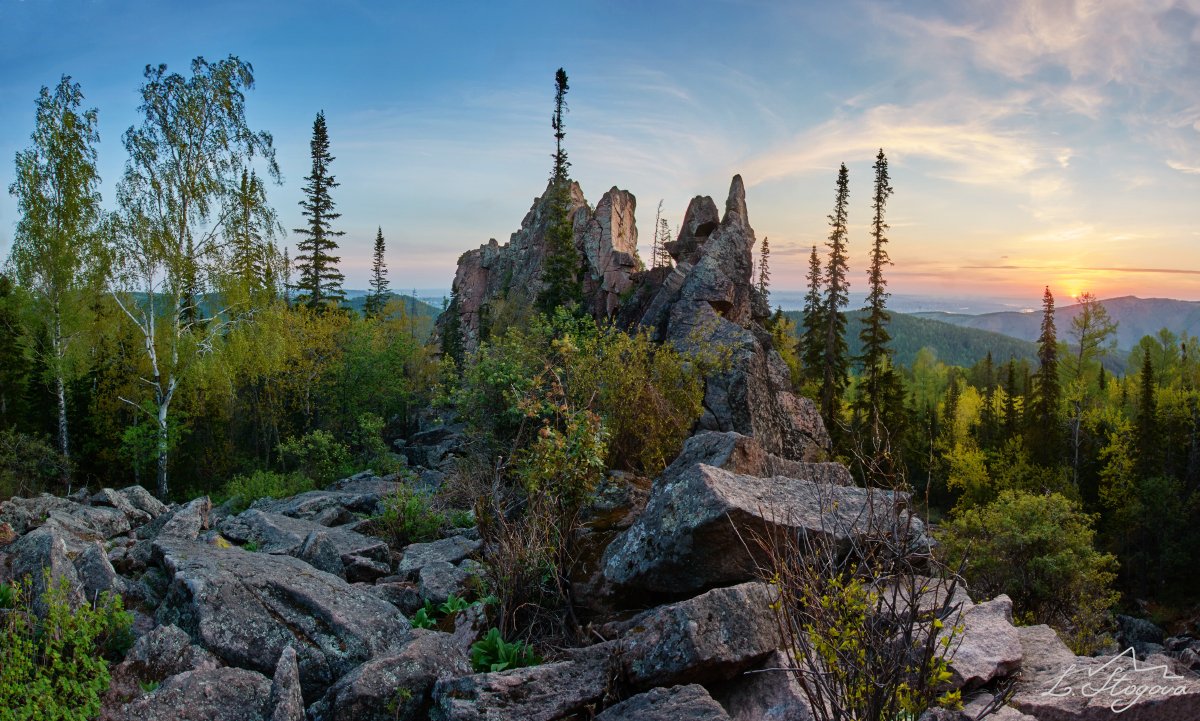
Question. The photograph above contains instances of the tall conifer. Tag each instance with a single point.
(834, 357)
(561, 284)
(764, 271)
(377, 298)
(1044, 430)
(879, 379)
(812, 339)
(320, 283)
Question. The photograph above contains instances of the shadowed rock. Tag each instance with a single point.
(680, 703)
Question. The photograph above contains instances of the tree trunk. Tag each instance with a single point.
(60, 392)
(162, 451)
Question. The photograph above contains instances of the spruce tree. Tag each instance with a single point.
(879, 376)
(1012, 420)
(251, 233)
(812, 339)
(1147, 419)
(987, 413)
(320, 283)
(834, 355)
(377, 298)
(1044, 431)
(764, 271)
(664, 234)
(561, 284)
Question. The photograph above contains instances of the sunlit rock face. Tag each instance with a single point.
(494, 275)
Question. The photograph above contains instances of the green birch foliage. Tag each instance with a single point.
(55, 668)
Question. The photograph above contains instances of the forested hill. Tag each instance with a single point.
(1136, 317)
(954, 344)
(413, 306)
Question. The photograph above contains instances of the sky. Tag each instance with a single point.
(1030, 143)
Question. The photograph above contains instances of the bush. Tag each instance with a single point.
(492, 653)
(245, 490)
(1038, 549)
(28, 465)
(55, 668)
(408, 518)
(316, 455)
(374, 452)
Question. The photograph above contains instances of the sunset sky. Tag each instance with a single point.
(1031, 143)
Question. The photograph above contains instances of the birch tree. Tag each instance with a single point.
(54, 253)
(178, 194)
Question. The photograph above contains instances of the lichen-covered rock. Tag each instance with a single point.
(247, 607)
(699, 526)
(275, 533)
(287, 698)
(395, 687)
(219, 694)
(538, 693)
(712, 637)
(96, 574)
(679, 703)
(1056, 685)
(163, 652)
(989, 647)
(747, 456)
(41, 550)
(449, 550)
(438, 579)
(144, 501)
(109, 497)
(187, 521)
(320, 552)
(26, 514)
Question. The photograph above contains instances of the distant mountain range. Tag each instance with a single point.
(415, 307)
(1135, 317)
(954, 344)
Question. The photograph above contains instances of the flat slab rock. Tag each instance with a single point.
(449, 550)
(1056, 685)
(698, 528)
(247, 607)
(990, 647)
(680, 703)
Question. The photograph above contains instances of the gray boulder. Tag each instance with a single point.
(1139, 634)
(449, 550)
(395, 687)
(187, 521)
(26, 514)
(163, 652)
(1057, 685)
(287, 699)
(43, 550)
(712, 637)
(538, 693)
(679, 703)
(989, 647)
(219, 694)
(247, 607)
(111, 498)
(143, 500)
(320, 552)
(282, 534)
(438, 579)
(96, 574)
(700, 525)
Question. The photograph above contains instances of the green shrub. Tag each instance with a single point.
(7, 596)
(1038, 549)
(55, 668)
(408, 517)
(374, 452)
(493, 653)
(28, 465)
(245, 490)
(317, 455)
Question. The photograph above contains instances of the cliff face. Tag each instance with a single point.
(705, 300)
(606, 239)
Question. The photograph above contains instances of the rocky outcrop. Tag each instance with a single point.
(708, 301)
(700, 526)
(989, 647)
